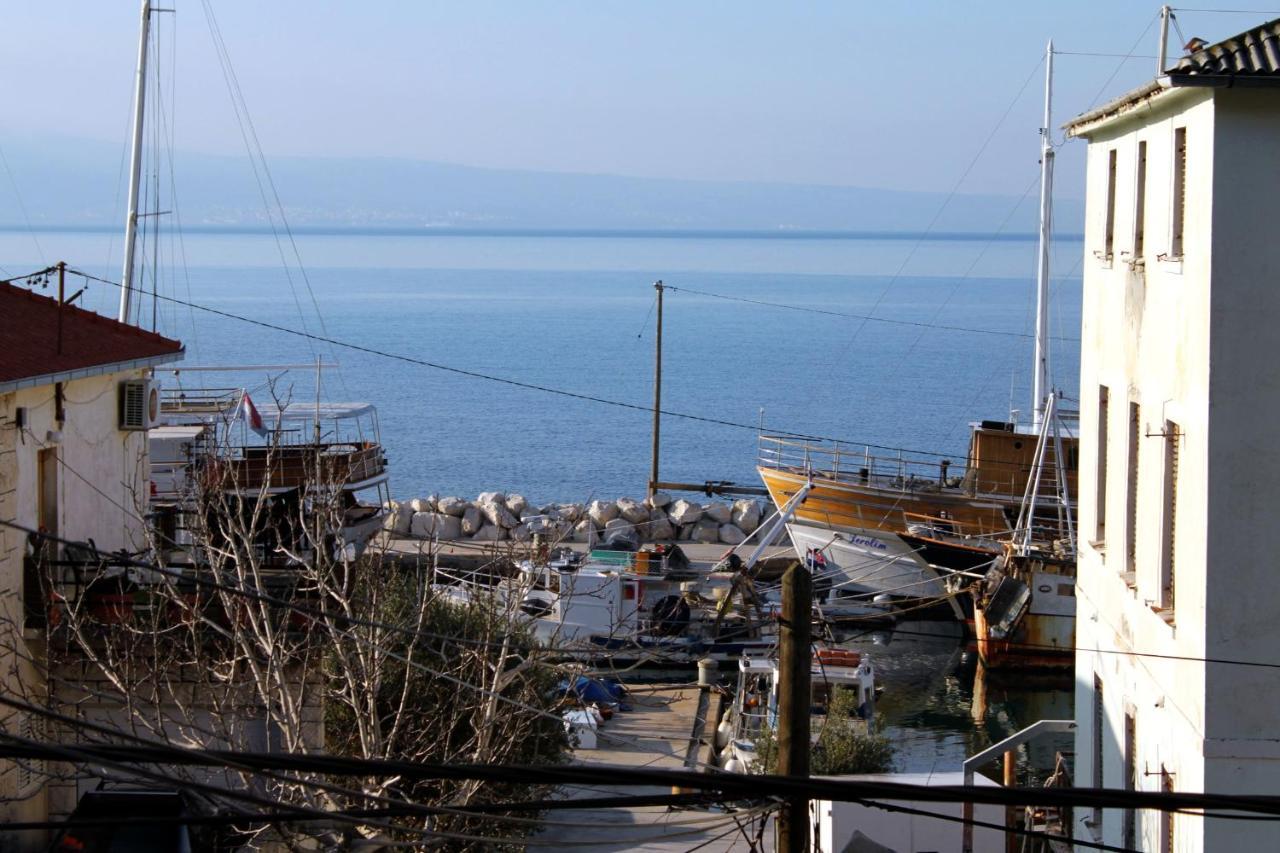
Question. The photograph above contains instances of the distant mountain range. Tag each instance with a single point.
(68, 182)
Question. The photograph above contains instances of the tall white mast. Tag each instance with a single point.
(135, 170)
(1040, 367)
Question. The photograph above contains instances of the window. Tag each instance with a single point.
(1110, 240)
(1140, 205)
(1099, 721)
(1130, 827)
(47, 485)
(1168, 577)
(1131, 497)
(1166, 818)
(1100, 498)
(1179, 190)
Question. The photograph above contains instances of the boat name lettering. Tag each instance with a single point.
(868, 542)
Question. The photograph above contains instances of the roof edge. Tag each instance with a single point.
(88, 372)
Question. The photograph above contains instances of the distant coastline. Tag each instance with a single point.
(582, 233)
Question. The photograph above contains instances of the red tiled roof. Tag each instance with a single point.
(29, 338)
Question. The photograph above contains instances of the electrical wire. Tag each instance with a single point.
(867, 317)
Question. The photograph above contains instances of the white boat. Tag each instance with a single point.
(625, 607)
(867, 572)
(755, 701)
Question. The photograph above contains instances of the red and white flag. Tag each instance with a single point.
(249, 412)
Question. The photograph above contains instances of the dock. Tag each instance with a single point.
(658, 733)
(468, 556)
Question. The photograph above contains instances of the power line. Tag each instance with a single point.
(866, 317)
(727, 786)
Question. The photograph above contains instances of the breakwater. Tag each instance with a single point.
(499, 516)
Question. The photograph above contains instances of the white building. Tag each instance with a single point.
(73, 464)
(1180, 401)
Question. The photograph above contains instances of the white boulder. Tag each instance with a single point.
(584, 530)
(521, 533)
(436, 524)
(472, 521)
(569, 512)
(492, 498)
(746, 515)
(616, 524)
(706, 531)
(684, 512)
(399, 518)
(602, 512)
(661, 530)
(517, 503)
(538, 523)
(718, 512)
(452, 506)
(490, 533)
(423, 504)
(731, 534)
(658, 500)
(632, 510)
(499, 515)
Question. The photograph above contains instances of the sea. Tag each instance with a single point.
(524, 362)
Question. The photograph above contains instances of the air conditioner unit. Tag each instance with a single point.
(139, 404)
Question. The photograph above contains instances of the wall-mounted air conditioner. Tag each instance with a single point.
(139, 404)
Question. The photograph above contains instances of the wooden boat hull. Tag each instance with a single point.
(840, 504)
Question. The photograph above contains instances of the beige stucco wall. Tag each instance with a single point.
(1189, 340)
(101, 500)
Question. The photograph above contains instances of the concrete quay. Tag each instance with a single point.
(468, 557)
(656, 734)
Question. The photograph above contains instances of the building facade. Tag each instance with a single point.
(1179, 395)
(69, 468)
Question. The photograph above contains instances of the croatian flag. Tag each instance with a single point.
(249, 412)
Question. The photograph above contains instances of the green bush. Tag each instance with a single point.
(841, 747)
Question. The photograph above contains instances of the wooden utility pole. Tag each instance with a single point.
(794, 660)
(62, 299)
(657, 393)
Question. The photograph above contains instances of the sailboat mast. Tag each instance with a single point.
(135, 170)
(1040, 366)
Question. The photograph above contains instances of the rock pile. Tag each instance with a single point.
(495, 517)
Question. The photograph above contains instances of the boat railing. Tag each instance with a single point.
(292, 466)
(953, 528)
(839, 461)
(206, 401)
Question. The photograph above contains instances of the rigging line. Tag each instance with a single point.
(830, 313)
(652, 307)
(223, 64)
(945, 203)
(1057, 52)
(1120, 64)
(1228, 11)
(17, 194)
(266, 169)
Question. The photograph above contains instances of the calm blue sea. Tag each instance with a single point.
(574, 311)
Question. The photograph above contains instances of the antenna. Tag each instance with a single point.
(1162, 55)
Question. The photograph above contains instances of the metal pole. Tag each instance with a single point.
(1040, 368)
(62, 299)
(135, 169)
(1011, 839)
(1162, 54)
(794, 660)
(657, 393)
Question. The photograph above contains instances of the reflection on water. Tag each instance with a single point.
(939, 708)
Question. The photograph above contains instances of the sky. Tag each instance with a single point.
(895, 95)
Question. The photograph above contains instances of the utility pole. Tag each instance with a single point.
(657, 393)
(794, 660)
(62, 299)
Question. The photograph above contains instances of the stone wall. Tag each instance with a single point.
(496, 516)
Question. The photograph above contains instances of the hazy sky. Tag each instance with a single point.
(887, 94)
